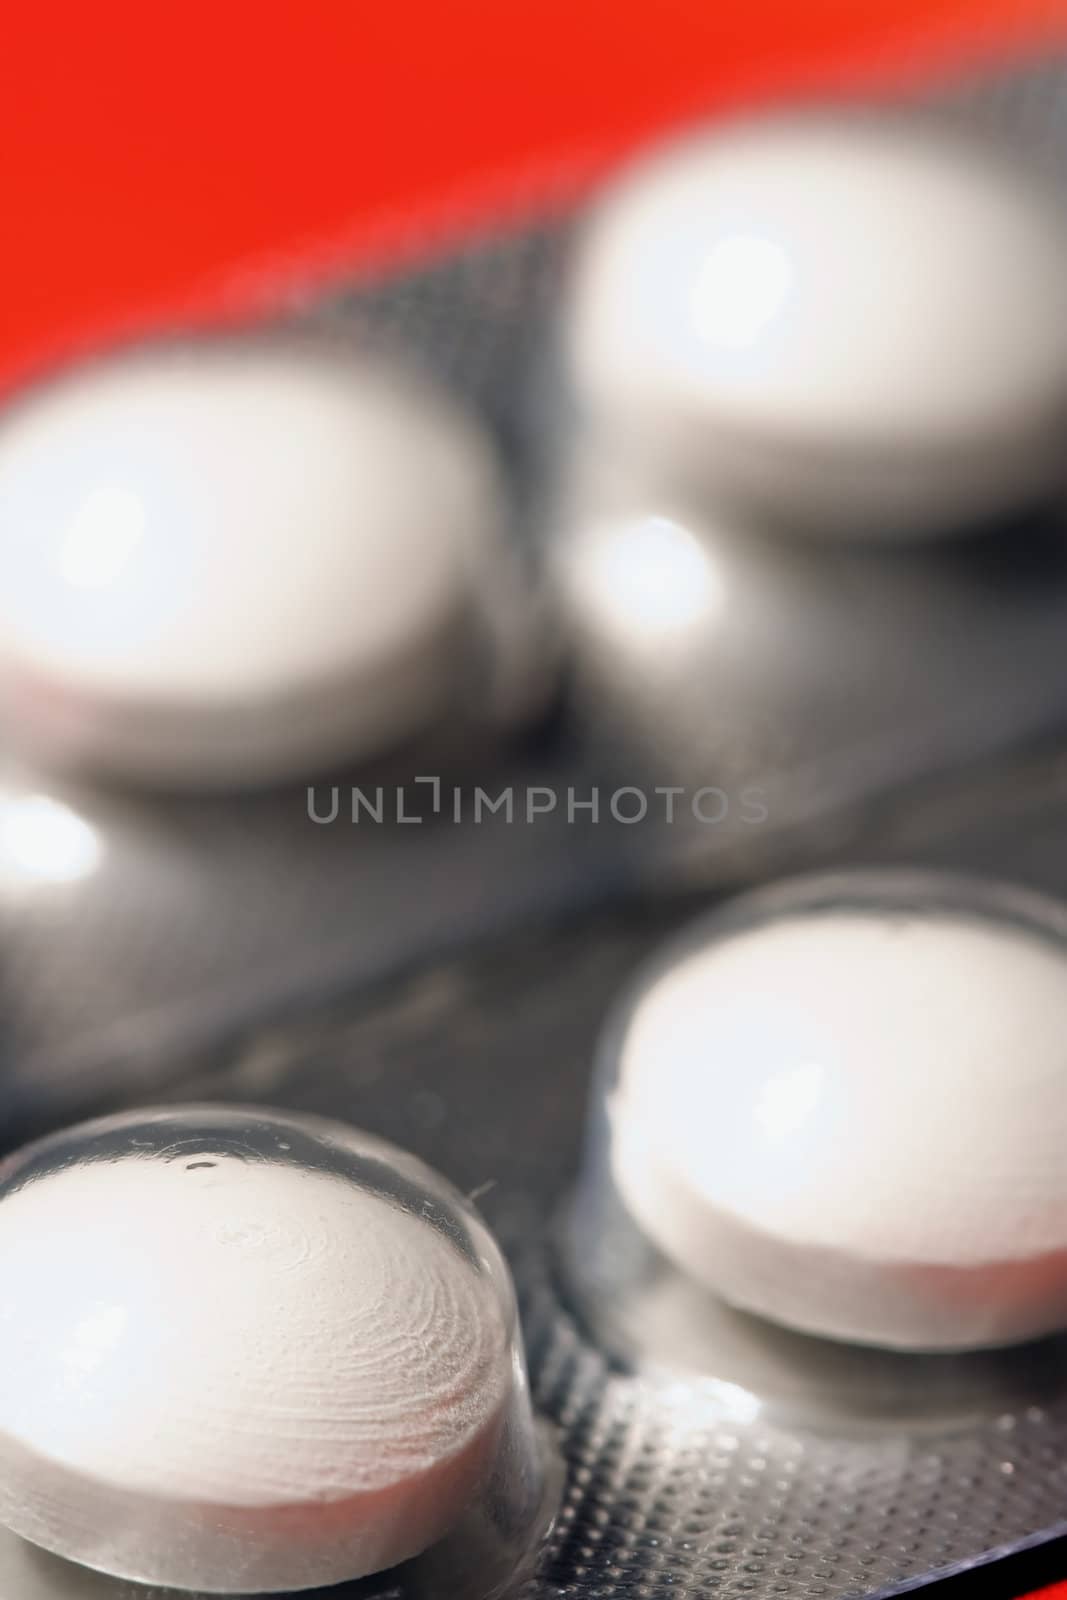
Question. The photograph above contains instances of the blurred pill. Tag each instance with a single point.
(247, 1353)
(240, 559)
(848, 322)
(842, 1108)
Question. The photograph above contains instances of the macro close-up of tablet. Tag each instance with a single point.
(533, 803)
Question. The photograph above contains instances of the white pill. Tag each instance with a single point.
(851, 1119)
(237, 559)
(244, 1355)
(852, 323)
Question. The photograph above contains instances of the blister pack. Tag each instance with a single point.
(782, 1335)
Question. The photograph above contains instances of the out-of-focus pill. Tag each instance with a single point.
(843, 1108)
(248, 1353)
(851, 323)
(239, 559)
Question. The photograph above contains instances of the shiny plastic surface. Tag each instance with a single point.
(252, 1353)
(820, 1158)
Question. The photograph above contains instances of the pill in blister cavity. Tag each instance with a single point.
(249, 1353)
(849, 322)
(238, 559)
(842, 1108)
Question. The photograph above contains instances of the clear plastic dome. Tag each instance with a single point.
(824, 1164)
(247, 1352)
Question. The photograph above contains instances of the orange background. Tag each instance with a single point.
(161, 162)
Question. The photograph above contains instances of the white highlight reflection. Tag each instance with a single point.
(102, 537)
(648, 577)
(788, 1100)
(689, 1405)
(94, 1340)
(44, 841)
(744, 284)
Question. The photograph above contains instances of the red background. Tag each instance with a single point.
(163, 162)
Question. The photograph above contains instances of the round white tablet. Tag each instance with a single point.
(853, 323)
(846, 1111)
(237, 559)
(244, 1353)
